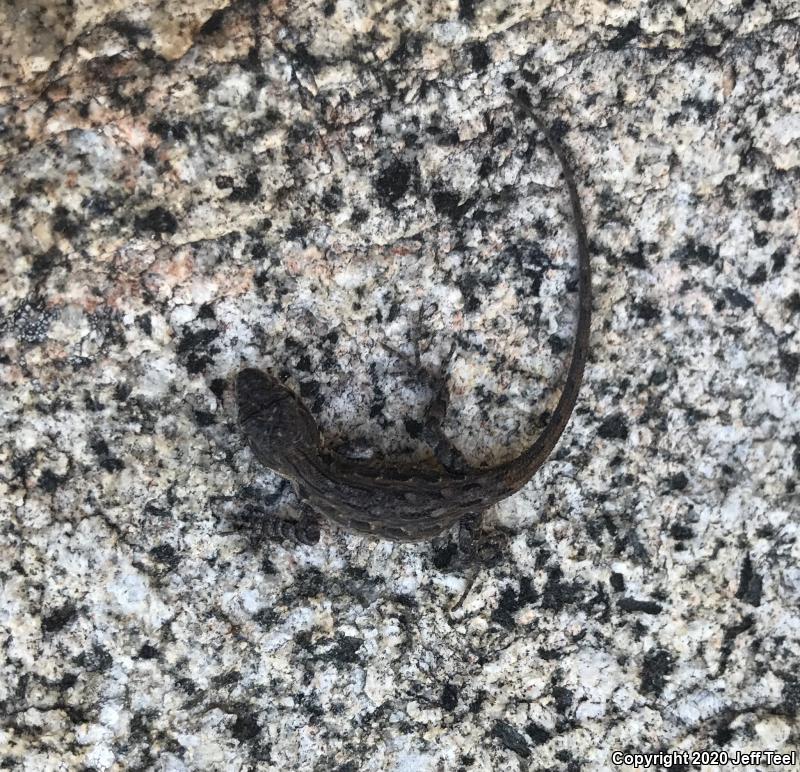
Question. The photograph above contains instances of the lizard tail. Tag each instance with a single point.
(519, 470)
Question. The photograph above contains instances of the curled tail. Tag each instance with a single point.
(520, 469)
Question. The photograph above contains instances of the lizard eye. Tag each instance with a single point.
(255, 392)
(273, 419)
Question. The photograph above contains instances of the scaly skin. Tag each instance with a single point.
(404, 503)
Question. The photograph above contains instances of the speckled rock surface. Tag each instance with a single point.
(187, 188)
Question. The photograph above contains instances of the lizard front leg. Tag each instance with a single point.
(266, 523)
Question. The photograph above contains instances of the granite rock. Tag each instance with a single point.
(191, 188)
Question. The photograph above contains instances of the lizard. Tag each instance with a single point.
(413, 502)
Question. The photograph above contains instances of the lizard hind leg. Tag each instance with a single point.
(478, 549)
(470, 538)
(433, 434)
(447, 454)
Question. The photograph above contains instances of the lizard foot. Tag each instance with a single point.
(272, 527)
(264, 523)
(479, 549)
(433, 434)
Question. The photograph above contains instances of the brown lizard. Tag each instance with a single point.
(407, 503)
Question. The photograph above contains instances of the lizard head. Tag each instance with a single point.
(278, 426)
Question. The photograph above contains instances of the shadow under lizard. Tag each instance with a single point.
(406, 503)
